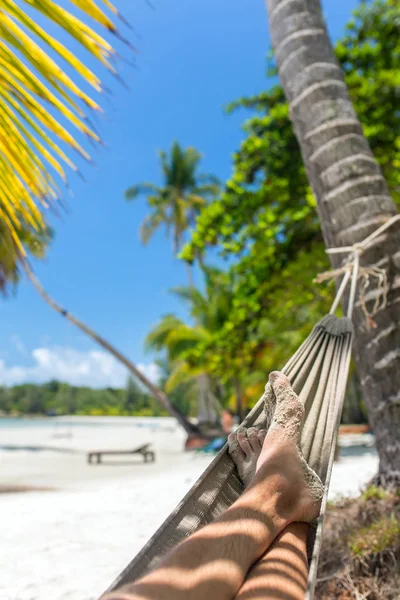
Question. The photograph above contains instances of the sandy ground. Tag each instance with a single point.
(71, 543)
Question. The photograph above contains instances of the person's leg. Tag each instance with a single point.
(281, 574)
(214, 561)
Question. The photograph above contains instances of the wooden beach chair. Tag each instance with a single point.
(148, 455)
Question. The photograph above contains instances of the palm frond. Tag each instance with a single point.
(196, 202)
(143, 188)
(156, 339)
(209, 180)
(39, 104)
(193, 297)
(211, 190)
(150, 224)
(182, 373)
(34, 243)
(182, 194)
(183, 338)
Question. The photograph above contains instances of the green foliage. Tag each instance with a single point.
(35, 244)
(191, 348)
(177, 202)
(56, 398)
(267, 205)
(382, 535)
(183, 395)
(375, 493)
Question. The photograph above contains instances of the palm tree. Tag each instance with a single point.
(176, 203)
(190, 348)
(353, 200)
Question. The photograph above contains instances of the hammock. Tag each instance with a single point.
(318, 373)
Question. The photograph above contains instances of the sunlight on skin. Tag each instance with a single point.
(282, 571)
(215, 560)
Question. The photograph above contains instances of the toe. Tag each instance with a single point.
(289, 411)
(278, 380)
(262, 433)
(287, 400)
(252, 436)
(233, 445)
(243, 441)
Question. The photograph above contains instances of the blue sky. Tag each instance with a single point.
(194, 58)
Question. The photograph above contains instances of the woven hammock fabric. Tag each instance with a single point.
(318, 373)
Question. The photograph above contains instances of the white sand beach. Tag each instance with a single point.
(71, 542)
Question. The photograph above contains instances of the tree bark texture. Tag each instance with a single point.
(153, 389)
(352, 198)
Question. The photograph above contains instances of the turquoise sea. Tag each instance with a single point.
(20, 422)
(39, 422)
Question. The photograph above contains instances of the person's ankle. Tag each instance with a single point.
(270, 500)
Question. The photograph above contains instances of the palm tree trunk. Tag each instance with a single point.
(204, 414)
(154, 390)
(352, 197)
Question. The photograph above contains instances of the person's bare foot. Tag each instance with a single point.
(300, 490)
(245, 447)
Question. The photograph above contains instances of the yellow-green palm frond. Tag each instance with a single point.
(185, 338)
(42, 107)
(182, 373)
(176, 337)
(35, 243)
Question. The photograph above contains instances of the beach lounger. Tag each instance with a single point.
(148, 455)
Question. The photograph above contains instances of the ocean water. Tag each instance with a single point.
(82, 433)
(84, 421)
(20, 422)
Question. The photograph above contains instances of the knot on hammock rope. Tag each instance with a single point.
(351, 268)
(358, 247)
(365, 274)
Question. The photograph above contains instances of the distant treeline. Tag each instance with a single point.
(56, 398)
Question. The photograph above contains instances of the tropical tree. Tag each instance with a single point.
(187, 345)
(197, 350)
(175, 204)
(351, 193)
(185, 395)
(234, 362)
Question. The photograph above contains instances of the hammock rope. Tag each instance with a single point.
(352, 268)
(318, 373)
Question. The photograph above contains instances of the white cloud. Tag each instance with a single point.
(94, 368)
